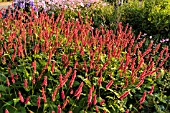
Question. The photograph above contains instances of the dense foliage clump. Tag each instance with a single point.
(54, 65)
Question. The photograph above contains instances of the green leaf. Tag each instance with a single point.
(110, 97)
(8, 103)
(16, 100)
(3, 88)
(87, 82)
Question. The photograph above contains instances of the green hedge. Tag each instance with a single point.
(151, 17)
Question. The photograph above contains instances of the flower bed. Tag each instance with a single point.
(49, 65)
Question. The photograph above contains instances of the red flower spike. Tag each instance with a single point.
(126, 82)
(156, 48)
(16, 76)
(7, 81)
(25, 83)
(39, 102)
(104, 66)
(43, 95)
(21, 97)
(79, 90)
(1, 52)
(70, 112)
(97, 109)
(62, 94)
(140, 83)
(72, 79)
(54, 94)
(102, 102)
(12, 78)
(78, 96)
(6, 111)
(65, 103)
(141, 43)
(76, 64)
(143, 98)
(140, 107)
(109, 84)
(45, 81)
(100, 79)
(140, 63)
(27, 100)
(34, 65)
(139, 35)
(90, 96)
(157, 76)
(143, 74)
(95, 99)
(127, 111)
(71, 91)
(59, 108)
(53, 112)
(33, 79)
(66, 65)
(53, 67)
(151, 91)
(135, 48)
(125, 94)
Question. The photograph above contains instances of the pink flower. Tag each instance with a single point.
(62, 94)
(102, 102)
(140, 83)
(21, 97)
(90, 96)
(143, 98)
(25, 83)
(45, 81)
(27, 100)
(97, 109)
(79, 90)
(38, 101)
(34, 65)
(59, 108)
(6, 111)
(127, 111)
(76, 64)
(70, 112)
(52, 68)
(7, 81)
(65, 103)
(151, 91)
(109, 84)
(100, 79)
(54, 94)
(95, 100)
(72, 79)
(12, 78)
(43, 95)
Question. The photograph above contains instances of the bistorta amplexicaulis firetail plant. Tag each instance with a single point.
(49, 65)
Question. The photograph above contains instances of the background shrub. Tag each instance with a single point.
(149, 17)
(101, 13)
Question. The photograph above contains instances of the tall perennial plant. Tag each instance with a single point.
(49, 65)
